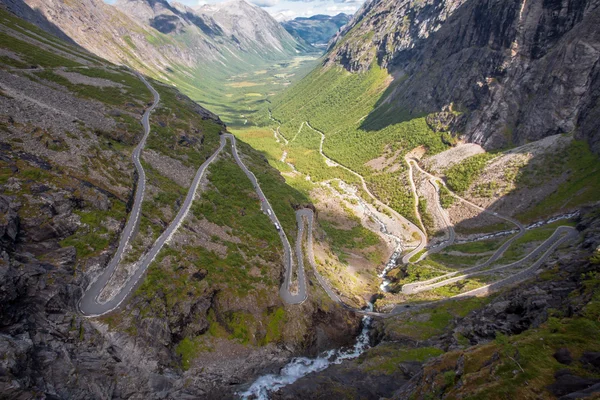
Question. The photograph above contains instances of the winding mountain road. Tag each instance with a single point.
(411, 288)
(90, 304)
(397, 216)
(447, 222)
(571, 234)
(285, 291)
(413, 189)
(276, 132)
(549, 244)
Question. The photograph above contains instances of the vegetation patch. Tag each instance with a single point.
(93, 237)
(456, 261)
(480, 246)
(358, 237)
(446, 198)
(432, 321)
(33, 55)
(460, 176)
(581, 187)
(386, 358)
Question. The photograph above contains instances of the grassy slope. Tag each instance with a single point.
(520, 366)
(248, 272)
(37, 48)
(335, 102)
(581, 187)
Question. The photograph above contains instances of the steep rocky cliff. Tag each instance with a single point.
(514, 70)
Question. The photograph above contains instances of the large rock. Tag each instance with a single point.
(567, 382)
(591, 359)
(563, 356)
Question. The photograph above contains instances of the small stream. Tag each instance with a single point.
(299, 367)
(392, 262)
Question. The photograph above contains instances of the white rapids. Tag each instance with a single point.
(299, 367)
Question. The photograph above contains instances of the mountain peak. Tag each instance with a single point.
(230, 6)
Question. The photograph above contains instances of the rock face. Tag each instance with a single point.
(317, 30)
(518, 70)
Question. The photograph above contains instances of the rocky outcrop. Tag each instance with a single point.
(9, 225)
(519, 70)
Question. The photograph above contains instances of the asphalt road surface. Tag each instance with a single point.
(88, 304)
(285, 291)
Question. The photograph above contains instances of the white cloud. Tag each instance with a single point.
(289, 9)
(342, 9)
(265, 3)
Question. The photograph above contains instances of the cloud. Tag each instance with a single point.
(324, 1)
(340, 8)
(265, 3)
(287, 14)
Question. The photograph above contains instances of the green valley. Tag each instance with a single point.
(195, 203)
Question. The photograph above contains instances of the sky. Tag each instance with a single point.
(289, 9)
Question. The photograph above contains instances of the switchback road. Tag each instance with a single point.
(90, 304)
(394, 213)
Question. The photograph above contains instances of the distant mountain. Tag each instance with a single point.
(105, 31)
(316, 30)
(166, 40)
(250, 27)
(234, 27)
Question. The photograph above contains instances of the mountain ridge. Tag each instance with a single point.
(168, 41)
(316, 30)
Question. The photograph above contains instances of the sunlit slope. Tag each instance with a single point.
(336, 102)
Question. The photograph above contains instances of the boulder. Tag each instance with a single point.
(567, 382)
(563, 356)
